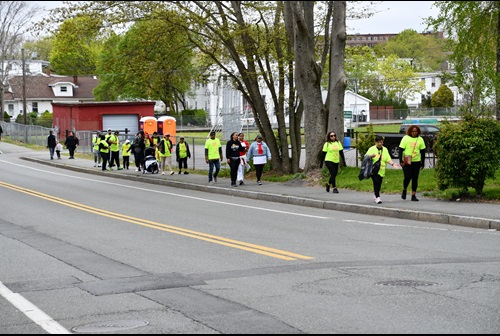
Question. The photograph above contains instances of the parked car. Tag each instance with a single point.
(392, 140)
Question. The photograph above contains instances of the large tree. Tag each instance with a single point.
(152, 60)
(15, 20)
(474, 28)
(76, 46)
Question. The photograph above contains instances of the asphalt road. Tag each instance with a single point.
(90, 254)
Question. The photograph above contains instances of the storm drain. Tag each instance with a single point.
(109, 326)
(406, 283)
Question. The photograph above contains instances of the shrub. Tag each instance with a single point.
(468, 153)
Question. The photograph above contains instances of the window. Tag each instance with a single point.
(34, 107)
(64, 89)
(11, 109)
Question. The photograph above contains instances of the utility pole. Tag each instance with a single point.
(24, 100)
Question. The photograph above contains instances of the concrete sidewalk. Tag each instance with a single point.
(297, 192)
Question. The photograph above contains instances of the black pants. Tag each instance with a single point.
(234, 164)
(71, 151)
(138, 157)
(126, 162)
(377, 184)
(259, 168)
(105, 159)
(183, 163)
(115, 158)
(333, 168)
(411, 173)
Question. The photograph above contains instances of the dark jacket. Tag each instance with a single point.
(233, 149)
(71, 142)
(366, 168)
(51, 141)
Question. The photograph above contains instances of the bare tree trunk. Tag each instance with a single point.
(338, 80)
(299, 17)
(497, 91)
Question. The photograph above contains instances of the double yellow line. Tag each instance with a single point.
(270, 252)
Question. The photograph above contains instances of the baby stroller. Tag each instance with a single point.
(150, 163)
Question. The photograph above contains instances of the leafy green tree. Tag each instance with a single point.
(427, 100)
(40, 47)
(468, 153)
(443, 97)
(474, 30)
(427, 52)
(361, 68)
(398, 78)
(152, 60)
(76, 46)
(46, 119)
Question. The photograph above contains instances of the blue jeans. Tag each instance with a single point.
(211, 165)
(51, 151)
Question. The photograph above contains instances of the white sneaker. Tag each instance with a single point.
(378, 200)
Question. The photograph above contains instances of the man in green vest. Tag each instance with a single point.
(96, 139)
(114, 142)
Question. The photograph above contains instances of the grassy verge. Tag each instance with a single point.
(347, 178)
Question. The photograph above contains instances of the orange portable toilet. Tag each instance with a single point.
(167, 124)
(149, 125)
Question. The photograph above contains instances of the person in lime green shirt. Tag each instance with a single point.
(213, 156)
(379, 152)
(412, 145)
(332, 153)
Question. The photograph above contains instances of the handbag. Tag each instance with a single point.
(376, 165)
(407, 159)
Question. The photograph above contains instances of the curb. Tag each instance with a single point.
(423, 216)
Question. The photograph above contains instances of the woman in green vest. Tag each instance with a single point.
(182, 154)
(165, 149)
(104, 151)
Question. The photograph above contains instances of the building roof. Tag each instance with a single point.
(40, 87)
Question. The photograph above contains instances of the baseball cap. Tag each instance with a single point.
(259, 136)
(109, 130)
(167, 134)
(127, 141)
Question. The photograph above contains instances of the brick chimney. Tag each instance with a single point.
(47, 71)
(75, 79)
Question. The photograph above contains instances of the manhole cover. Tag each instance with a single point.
(406, 283)
(109, 326)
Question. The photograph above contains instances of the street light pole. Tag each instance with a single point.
(24, 100)
(24, 89)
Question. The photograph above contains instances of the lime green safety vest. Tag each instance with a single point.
(106, 147)
(96, 141)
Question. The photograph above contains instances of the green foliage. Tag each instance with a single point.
(475, 52)
(365, 141)
(45, 120)
(443, 97)
(427, 52)
(427, 100)
(152, 60)
(76, 46)
(468, 153)
(193, 117)
(6, 116)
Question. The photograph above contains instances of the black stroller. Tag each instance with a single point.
(150, 164)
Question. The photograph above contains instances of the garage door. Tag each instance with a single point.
(121, 122)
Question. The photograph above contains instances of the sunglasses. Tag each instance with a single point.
(332, 135)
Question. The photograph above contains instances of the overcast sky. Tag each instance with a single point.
(392, 18)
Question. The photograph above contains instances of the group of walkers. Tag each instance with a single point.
(411, 154)
(55, 147)
(238, 155)
(107, 147)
